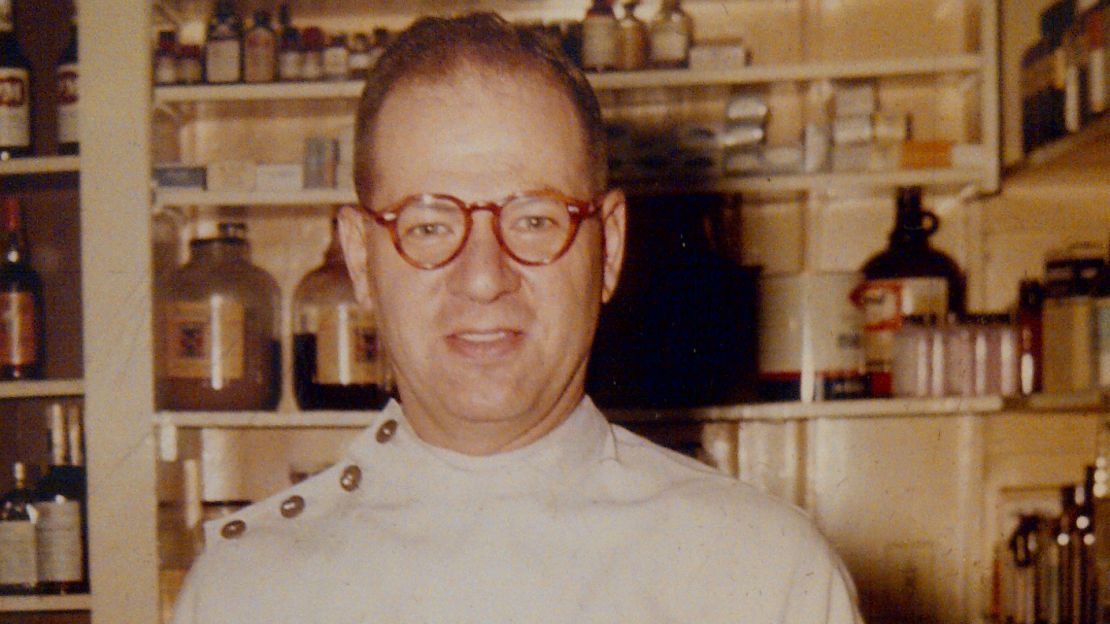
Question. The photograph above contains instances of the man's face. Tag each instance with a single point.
(489, 354)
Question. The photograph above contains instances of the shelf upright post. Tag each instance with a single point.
(116, 296)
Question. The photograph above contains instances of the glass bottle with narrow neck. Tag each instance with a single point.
(15, 101)
(21, 303)
(633, 39)
(338, 362)
(67, 78)
(600, 37)
(18, 564)
(671, 34)
(223, 50)
(59, 500)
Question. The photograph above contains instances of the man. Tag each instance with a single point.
(495, 491)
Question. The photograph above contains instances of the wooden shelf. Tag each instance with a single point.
(306, 197)
(72, 602)
(352, 89)
(40, 165)
(41, 389)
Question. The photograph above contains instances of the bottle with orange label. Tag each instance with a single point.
(338, 362)
(909, 277)
(21, 304)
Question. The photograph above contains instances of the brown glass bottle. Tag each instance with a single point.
(21, 337)
(337, 359)
(67, 96)
(15, 100)
(908, 277)
(60, 501)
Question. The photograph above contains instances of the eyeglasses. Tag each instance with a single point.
(534, 228)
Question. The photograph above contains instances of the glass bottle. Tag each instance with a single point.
(672, 32)
(633, 47)
(600, 35)
(1100, 325)
(18, 565)
(337, 59)
(165, 58)
(190, 64)
(338, 362)
(290, 53)
(223, 49)
(260, 50)
(66, 76)
(908, 277)
(359, 59)
(59, 499)
(15, 106)
(312, 44)
(1028, 324)
(218, 321)
(22, 347)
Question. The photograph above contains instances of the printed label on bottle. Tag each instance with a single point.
(1096, 80)
(58, 533)
(18, 331)
(885, 302)
(68, 127)
(347, 347)
(1101, 346)
(165, 69)
(336, 60)
(258, 56)
(599, 42)
(669, 44)
(290, 65)
(204, 340)
(18, 564)
(15, 108)
(221, 60)
(313, 65)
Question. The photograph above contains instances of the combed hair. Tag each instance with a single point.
(435, 48)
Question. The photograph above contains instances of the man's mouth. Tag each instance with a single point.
(489, 344)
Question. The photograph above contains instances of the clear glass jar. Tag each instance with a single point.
(338, 362)
(218, 324)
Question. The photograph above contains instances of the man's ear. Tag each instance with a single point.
(614, 227)
(354, 233)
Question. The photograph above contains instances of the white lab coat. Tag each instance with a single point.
(590, 524)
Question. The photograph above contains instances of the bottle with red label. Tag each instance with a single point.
(15, 90)
(66, 76)
(909, 277)
(21, 339)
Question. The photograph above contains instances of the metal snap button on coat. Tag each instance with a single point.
(351, 477)
(292, 507)
(386, 431)
(233, 529)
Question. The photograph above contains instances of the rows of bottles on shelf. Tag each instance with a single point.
(226, 51)
(1056, 567)
(43, 528)
(1066, 75)
(15, 98)
(899, 326)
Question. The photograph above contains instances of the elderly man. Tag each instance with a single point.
(495, 491)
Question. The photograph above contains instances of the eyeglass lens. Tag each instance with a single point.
(534, 229)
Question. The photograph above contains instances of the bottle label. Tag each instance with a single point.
(15, 108)
(347, 350)
(68, 127)
(18, 565)
(58, 533)
(165, 69)
(1101, 347)
(221, 60)
(600, 36)
(18, 329)
(313, 65)
(291, 65)
(885, 302)
(205, 340)
(669, 44)
(336, 61)
(260, 48)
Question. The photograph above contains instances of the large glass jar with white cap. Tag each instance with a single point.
(217, 329)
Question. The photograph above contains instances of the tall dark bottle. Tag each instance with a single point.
(60, 500)
(908, 277)
(66, 96)
(338, 362)
(18, 566)
(15, 90)
(21, 303)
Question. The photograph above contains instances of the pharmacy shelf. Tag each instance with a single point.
(40, 165)
(607, 81)
(71, 602)
(41, 389)
(769, 183)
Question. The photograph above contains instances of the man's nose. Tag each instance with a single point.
(483, 272)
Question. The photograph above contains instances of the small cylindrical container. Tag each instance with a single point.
(917, 369)
(218, 324)
(959, 360)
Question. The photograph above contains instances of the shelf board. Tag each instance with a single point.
(352, 89)
(265, 420)
(41, 388)
(40, 165)
(71, 602)
(306, 197)
(755, 74)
